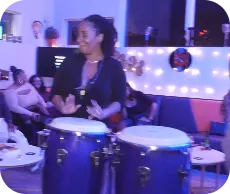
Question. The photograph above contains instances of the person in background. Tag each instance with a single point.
(139, 107)
(8, 131)
(38, 84)
(225, 107)
(28, 107)
(226, 142)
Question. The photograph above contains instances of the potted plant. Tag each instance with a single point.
(51, 36)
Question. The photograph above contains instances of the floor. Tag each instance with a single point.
(22, 181)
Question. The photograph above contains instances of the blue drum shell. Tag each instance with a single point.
(164, 165)
(76, 175)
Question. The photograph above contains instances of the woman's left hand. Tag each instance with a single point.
(145, 119)
(44, 110)
(96, 111)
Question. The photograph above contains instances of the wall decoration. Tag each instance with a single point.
(37, 29)
(51, 35)
(180, 60)
(130, 64)
(209, 71)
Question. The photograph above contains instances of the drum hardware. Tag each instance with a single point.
(61, 155)
(43, 138)
(183, 173)
(144, 175)
(95, 158)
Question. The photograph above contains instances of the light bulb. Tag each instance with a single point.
(226, 73)
(186, 70)
(160, 51)
(184, 90)
(195, 72)
(215, 53)
(131, 53)
(171, 49)
(139, 54)
(159, 72)
(209, 90)
(150, 51)
(158, 87)
(214, 72)
(146, 86)
(147, 68)
(171, 88)
(195, 90)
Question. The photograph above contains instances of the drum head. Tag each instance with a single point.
(154, 136)
(78, 125)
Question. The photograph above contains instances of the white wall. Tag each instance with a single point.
(32, 10)
(78, 9)
(24, 55)
(207, 77)
(20, 55)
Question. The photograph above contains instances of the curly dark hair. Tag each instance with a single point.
(42, 88)
(16, 72)
(105, 27)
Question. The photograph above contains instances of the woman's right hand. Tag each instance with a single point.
(69, 106)
(35, 117)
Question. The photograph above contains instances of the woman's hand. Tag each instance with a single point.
(96, 111)
(69, 106)
(49, 104)
(144, 119)
(44, 110)
(35, 117)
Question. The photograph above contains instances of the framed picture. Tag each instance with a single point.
(72, 26)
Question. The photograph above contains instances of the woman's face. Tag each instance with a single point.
(37, 82)
(88, 39)
(21, 78)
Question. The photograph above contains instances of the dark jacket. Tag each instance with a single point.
(4, 110)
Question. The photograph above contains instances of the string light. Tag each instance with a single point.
(160, 51)
(159, 72)
(171, 88)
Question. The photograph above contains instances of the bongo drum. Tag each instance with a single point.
(152, 160)
(73, 160)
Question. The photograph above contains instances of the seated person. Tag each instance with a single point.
(139, 107)
(225, 107)
(38, 84)
(28, 107)
(8, 131)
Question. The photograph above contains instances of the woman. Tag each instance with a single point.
(91, 84)
(38, 84)
(8, 131)
(139, 107)
(27, 105)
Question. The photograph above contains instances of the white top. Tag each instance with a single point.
(154, 136)
(206, 157)
(79, 125)
(19, 158)
(19, 102)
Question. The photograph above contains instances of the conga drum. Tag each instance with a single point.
(152, 160)
(73, 160)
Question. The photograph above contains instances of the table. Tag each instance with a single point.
(21, 159)
(206, 158)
